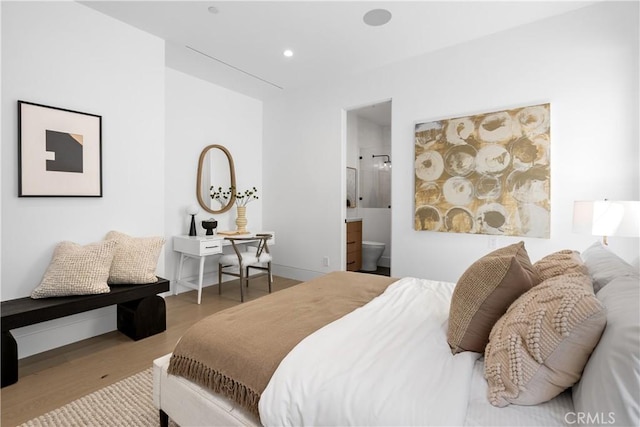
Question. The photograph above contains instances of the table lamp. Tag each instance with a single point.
(607, 218)
(193, 211)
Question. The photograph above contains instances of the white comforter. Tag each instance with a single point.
(386, 363)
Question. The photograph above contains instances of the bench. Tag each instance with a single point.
(141, 313)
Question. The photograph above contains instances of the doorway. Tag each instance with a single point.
(368, 151)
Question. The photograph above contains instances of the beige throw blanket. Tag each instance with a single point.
(236, 351)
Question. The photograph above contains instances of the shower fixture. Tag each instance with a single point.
(386, 162)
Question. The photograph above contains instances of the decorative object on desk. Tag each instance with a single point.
(607, 218)
(241, 219)
(485, 174)
(232, 233)
(242, 199)
(193, 211)
(210, 225)
(59, 152)
(224, 197)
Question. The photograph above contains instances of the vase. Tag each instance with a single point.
(241, 220)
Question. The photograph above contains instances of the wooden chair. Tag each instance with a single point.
(254, 257)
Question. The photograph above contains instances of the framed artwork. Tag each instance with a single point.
(352, 185)
(59, 152)
(485, 174)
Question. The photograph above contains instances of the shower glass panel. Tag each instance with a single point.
(375, 178)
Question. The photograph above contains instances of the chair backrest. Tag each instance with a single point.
(262, 243)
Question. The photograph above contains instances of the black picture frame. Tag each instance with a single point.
(59, 152)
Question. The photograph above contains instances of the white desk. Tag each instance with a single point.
(199, 248)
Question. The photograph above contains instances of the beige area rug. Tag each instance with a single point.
(128, 402)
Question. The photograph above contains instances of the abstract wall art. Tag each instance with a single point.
(485, 174)
(59, 152)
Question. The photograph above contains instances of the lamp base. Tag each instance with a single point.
(192, 230)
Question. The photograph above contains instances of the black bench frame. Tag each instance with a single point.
(141, 313)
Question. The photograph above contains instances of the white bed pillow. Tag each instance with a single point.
(610, 383)
(604, 265)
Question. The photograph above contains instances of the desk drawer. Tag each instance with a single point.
(199, 246)
(210, 247)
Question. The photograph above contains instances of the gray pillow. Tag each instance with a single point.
(604, 265)
(610, 383)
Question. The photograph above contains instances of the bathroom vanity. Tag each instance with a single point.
(354, 244)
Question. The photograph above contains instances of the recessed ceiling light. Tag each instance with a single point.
(288, 53)
(377, 17)
(213, 9)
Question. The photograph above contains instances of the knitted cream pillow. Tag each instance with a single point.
(483, 294)
(541, 345)
(135, 259)
(77, 270)
(559, 264)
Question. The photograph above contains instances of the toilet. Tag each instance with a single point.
(371, 253)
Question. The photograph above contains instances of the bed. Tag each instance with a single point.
(359, 349)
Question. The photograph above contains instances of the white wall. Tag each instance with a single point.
(66, 55)
(199, 114)
(589, 77)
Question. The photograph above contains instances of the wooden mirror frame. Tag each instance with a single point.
(232, 172)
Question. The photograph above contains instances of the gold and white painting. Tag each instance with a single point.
(485, 174)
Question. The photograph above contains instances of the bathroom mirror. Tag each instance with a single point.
(215, 168)
(352, 185)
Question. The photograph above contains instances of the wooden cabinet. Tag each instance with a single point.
(354, 245)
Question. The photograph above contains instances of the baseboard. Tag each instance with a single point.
(56, 333)
(211, 278)
(295, 273)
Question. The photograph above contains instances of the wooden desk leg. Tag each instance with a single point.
(9, 359)
(200, 278)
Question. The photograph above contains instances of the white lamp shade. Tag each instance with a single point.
(607, 218)
(193, 210)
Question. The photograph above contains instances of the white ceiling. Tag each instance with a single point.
(241, 46)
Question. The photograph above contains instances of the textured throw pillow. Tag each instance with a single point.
(135, 259)
(604, 265)
(77, 270)
(483, 294)
(610, 383)
(560, 263)
(541, 345)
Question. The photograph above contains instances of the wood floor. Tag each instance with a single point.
(54, 378)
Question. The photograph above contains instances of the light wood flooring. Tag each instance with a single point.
(54, 378)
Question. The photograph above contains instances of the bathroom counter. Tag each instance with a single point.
(353, 219)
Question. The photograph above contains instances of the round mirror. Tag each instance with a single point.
(216, 170)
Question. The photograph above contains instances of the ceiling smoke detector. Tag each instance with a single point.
(377, 17)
